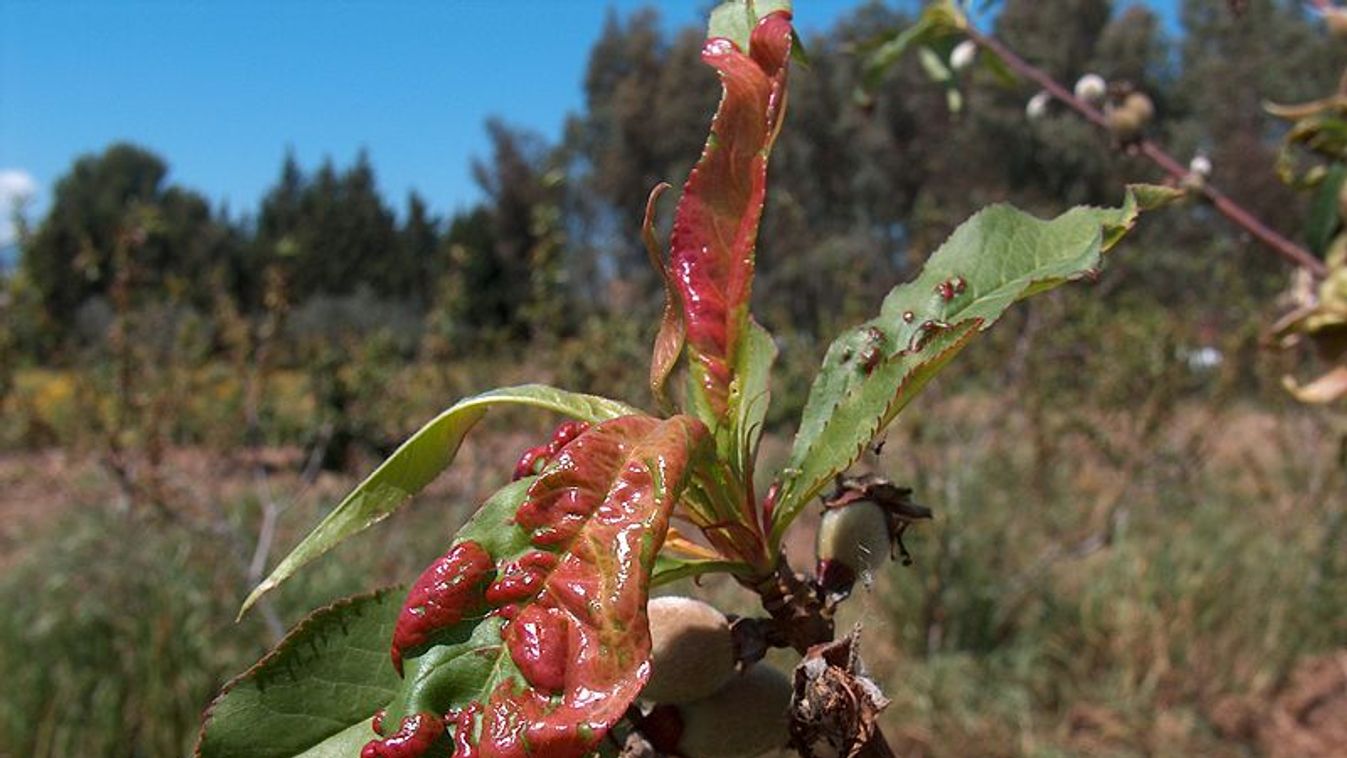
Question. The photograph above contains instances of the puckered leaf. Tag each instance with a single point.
(418, 461)
(314, 695)
(543, 653)
(716, 223)
(735, 20)
(871, 372)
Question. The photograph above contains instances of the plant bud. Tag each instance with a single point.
(1037, 106)
(691, 650)
(1336, 21)
(746, 718)
(1124, 123)
(1091, 88)
(1140, 104)
(963, 54)
(856, 537)
(1200, 165)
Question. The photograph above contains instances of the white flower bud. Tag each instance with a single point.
(1200, 165)
(1037, 106)
(1091, 88)
(963, 54)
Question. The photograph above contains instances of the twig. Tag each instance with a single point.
(1227, 207)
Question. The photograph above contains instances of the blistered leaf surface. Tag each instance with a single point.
(871, 372)
(418, 461)
(542, 655)
(716, 223)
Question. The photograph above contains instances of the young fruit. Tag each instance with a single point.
(1336, 20)
(747, 717)
(691, 650)
(1140, 104)
(1125, 123)
(852, 539)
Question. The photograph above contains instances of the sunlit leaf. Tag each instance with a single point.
(735, 20)
(1325, 218)
(542, 654)
(716, 223)
(314, 695)
(871, 372)
(418, 461)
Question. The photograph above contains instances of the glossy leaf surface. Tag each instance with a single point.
(418, 461)
(548, 653)
(871, 372)
(716, 223)
(315, 693)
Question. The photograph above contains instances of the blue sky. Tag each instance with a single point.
(223, 89)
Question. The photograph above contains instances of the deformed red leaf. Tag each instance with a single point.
(716, 224)
(581, 641)
(573, 601)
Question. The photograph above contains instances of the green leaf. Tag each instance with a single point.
(670, 569)
(1325, 217)
(314, 694)
(418, 461)
(735, 20)
(871, 372)
(750, 395)
(938, 21)
(553, 650)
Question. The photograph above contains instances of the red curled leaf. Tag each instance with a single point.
(413, 739)
(716, 224)
(439, 598)
(581, 640)
(544, 654)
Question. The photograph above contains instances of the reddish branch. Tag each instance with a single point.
(1227, 207)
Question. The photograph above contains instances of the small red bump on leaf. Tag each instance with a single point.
(465, 744)
(378, 721)
(568, 431)
(413, 739)
(538, 640)
(521, 579)
(532, 461)
(446, 590)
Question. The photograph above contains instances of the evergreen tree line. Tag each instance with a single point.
(865, 183)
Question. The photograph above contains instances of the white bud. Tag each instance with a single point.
(1091, 88)
(1037, 106)
(1200, 165)
(963, 54)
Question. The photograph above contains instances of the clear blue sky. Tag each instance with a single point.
(222, 89)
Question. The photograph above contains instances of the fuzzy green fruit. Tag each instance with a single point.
(747, 717)
(1125, 123)
(1140, 104)
(856, 535)
(691, 650)
(1336, 20)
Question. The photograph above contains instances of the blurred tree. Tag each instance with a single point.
(521, 266)
(120, 197)
(647, 103)
(332, 231)
(417, 265)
